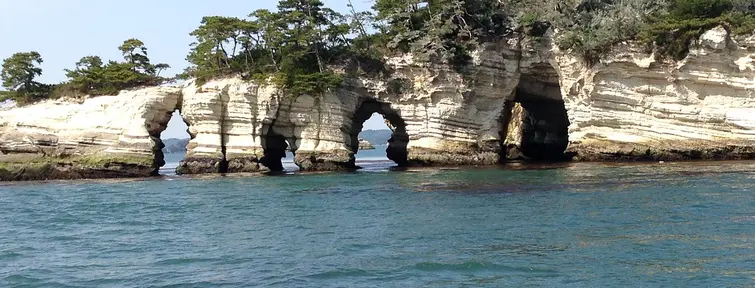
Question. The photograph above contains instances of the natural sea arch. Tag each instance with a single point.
(397, 144)
(171, 148)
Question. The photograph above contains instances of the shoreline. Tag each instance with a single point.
(512, 166)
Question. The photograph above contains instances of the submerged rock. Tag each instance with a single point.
(519, 99)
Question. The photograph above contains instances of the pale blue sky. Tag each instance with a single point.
(63, 31)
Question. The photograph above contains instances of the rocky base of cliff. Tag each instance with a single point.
(32, 167)
(202, 165)
(424, 157)
(597, 150)
(316, 161)
(245, 165)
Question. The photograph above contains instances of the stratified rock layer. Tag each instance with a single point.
(634, 107)
(519, 99)
(102, 137)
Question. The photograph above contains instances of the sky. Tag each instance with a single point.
(64, 31)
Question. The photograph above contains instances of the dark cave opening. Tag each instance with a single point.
(275, 147)
(545, 130)
(399, 140)
(535, 123)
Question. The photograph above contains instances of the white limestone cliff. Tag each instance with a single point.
(632, 106)
(519, 99)
(439, 115)
(115, 135)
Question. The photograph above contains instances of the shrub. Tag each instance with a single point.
(673, 32)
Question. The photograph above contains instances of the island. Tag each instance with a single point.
(490, 85)
(365, 145)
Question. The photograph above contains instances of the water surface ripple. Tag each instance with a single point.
(579, 225)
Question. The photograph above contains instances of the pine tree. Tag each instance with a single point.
(19, 71)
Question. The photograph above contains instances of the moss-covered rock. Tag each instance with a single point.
(34, 167)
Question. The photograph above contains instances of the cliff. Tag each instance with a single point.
(634, 107)
(520, 99)
(102, 137)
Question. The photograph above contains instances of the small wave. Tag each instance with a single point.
(474, 266)
(10, 256)
(469, 266)
(181, 261)
(738, 219)
(64, 238)
(21, 279)
(340, 273)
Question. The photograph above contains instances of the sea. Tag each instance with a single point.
(686, 224)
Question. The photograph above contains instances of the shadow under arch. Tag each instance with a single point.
(397, 144)
(274, 147)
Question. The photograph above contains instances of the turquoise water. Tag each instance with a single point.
(578, 225)
(377, 154)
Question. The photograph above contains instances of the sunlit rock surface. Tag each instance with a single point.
(101, 137)
(633, 107)
(7, 104)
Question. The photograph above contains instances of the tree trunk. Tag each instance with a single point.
(319, 38)
(235, 43)
(356, 18)
(225, 55)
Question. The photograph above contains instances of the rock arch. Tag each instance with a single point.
(397, 144)
(157, 138)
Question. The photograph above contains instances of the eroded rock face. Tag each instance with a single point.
(520, 99)
(634, 107)
(452, 117)
(439, 117)
(225, 119)
(102, 137)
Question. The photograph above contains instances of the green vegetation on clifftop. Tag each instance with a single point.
(295, 47)
(592, 27)
(305, 47)
(686, 20)
(90, 77)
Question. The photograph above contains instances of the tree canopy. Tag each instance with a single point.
(444, 30)
(297, 45)
(93, 77)
(18, 75)
(294, 46)
(593, 27)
